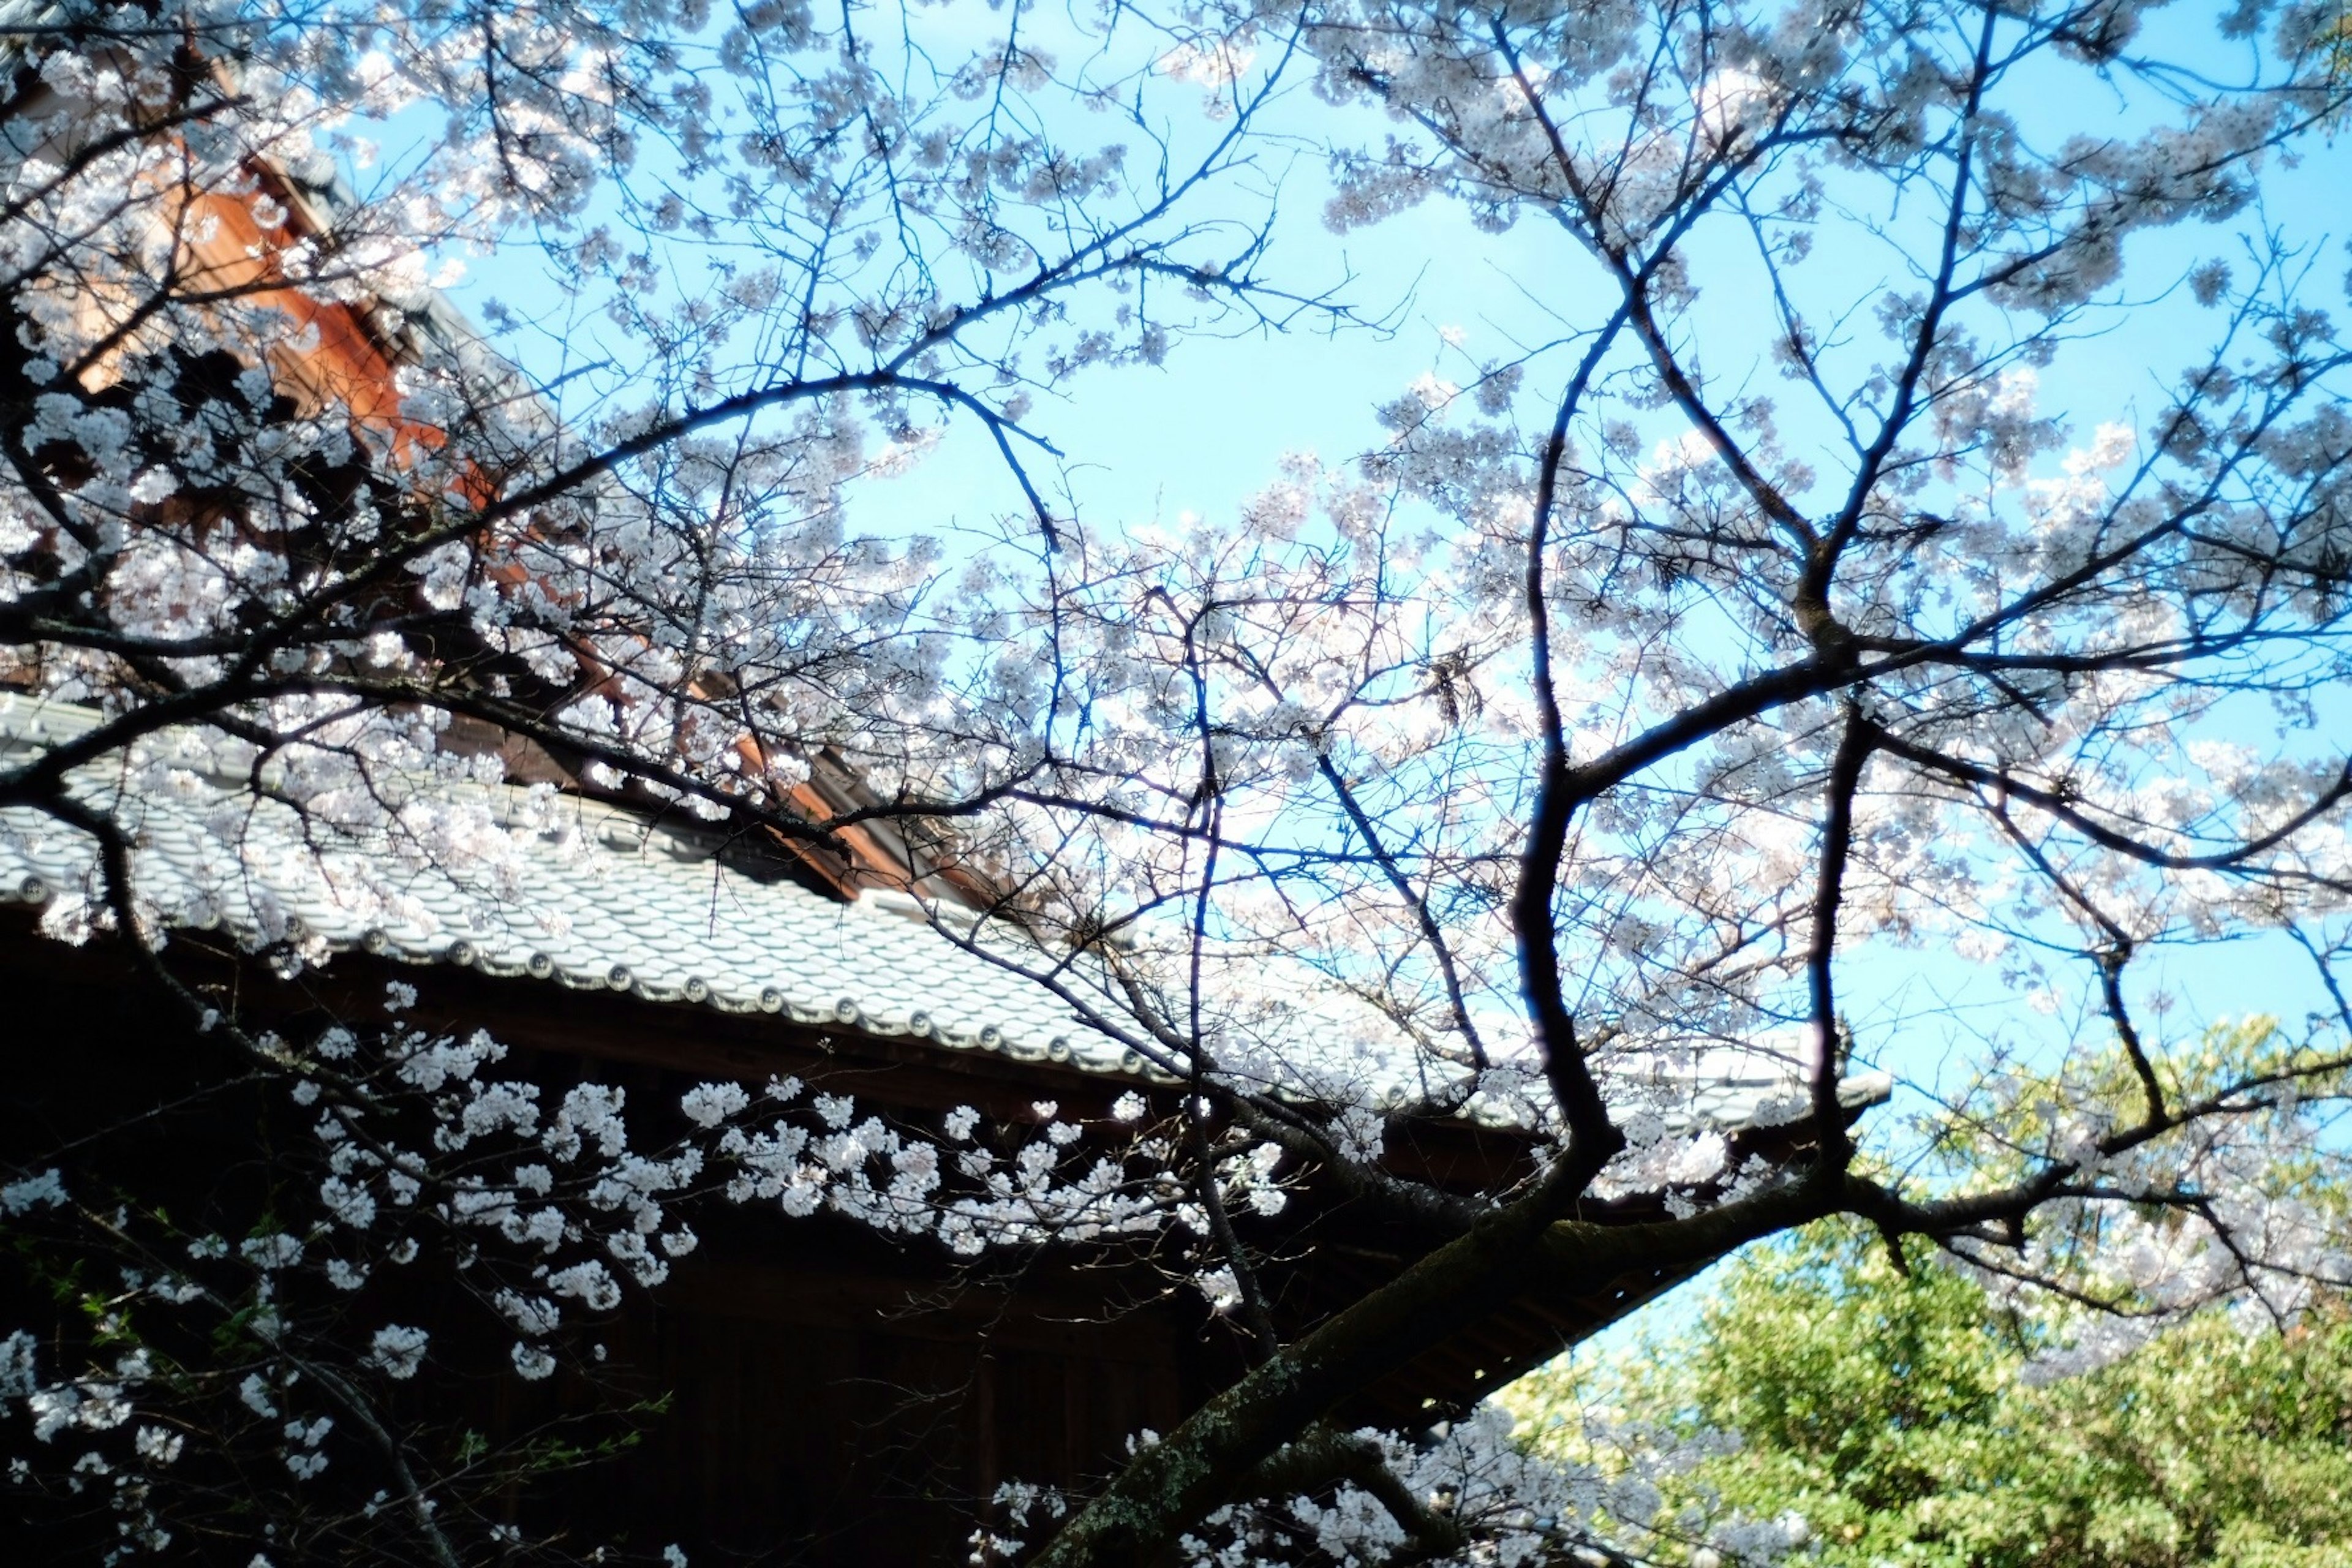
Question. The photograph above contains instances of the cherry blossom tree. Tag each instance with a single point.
(1751, 644)
(1795, 590)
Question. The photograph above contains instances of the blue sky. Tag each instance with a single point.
(1205, 430)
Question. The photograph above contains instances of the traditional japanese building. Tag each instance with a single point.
(830, 1395)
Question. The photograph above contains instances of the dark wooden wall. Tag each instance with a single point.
(832, 1396)
(822, 1416)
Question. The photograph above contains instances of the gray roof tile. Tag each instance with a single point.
(585, 895)
(603, 900)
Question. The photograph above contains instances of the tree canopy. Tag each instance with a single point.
(1900, 1416)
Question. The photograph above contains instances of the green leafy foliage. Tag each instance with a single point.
(1898, 1414)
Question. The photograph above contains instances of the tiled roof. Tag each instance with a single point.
(571, 891)
(576, 892)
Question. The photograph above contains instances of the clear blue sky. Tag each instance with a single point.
(1208, 428)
